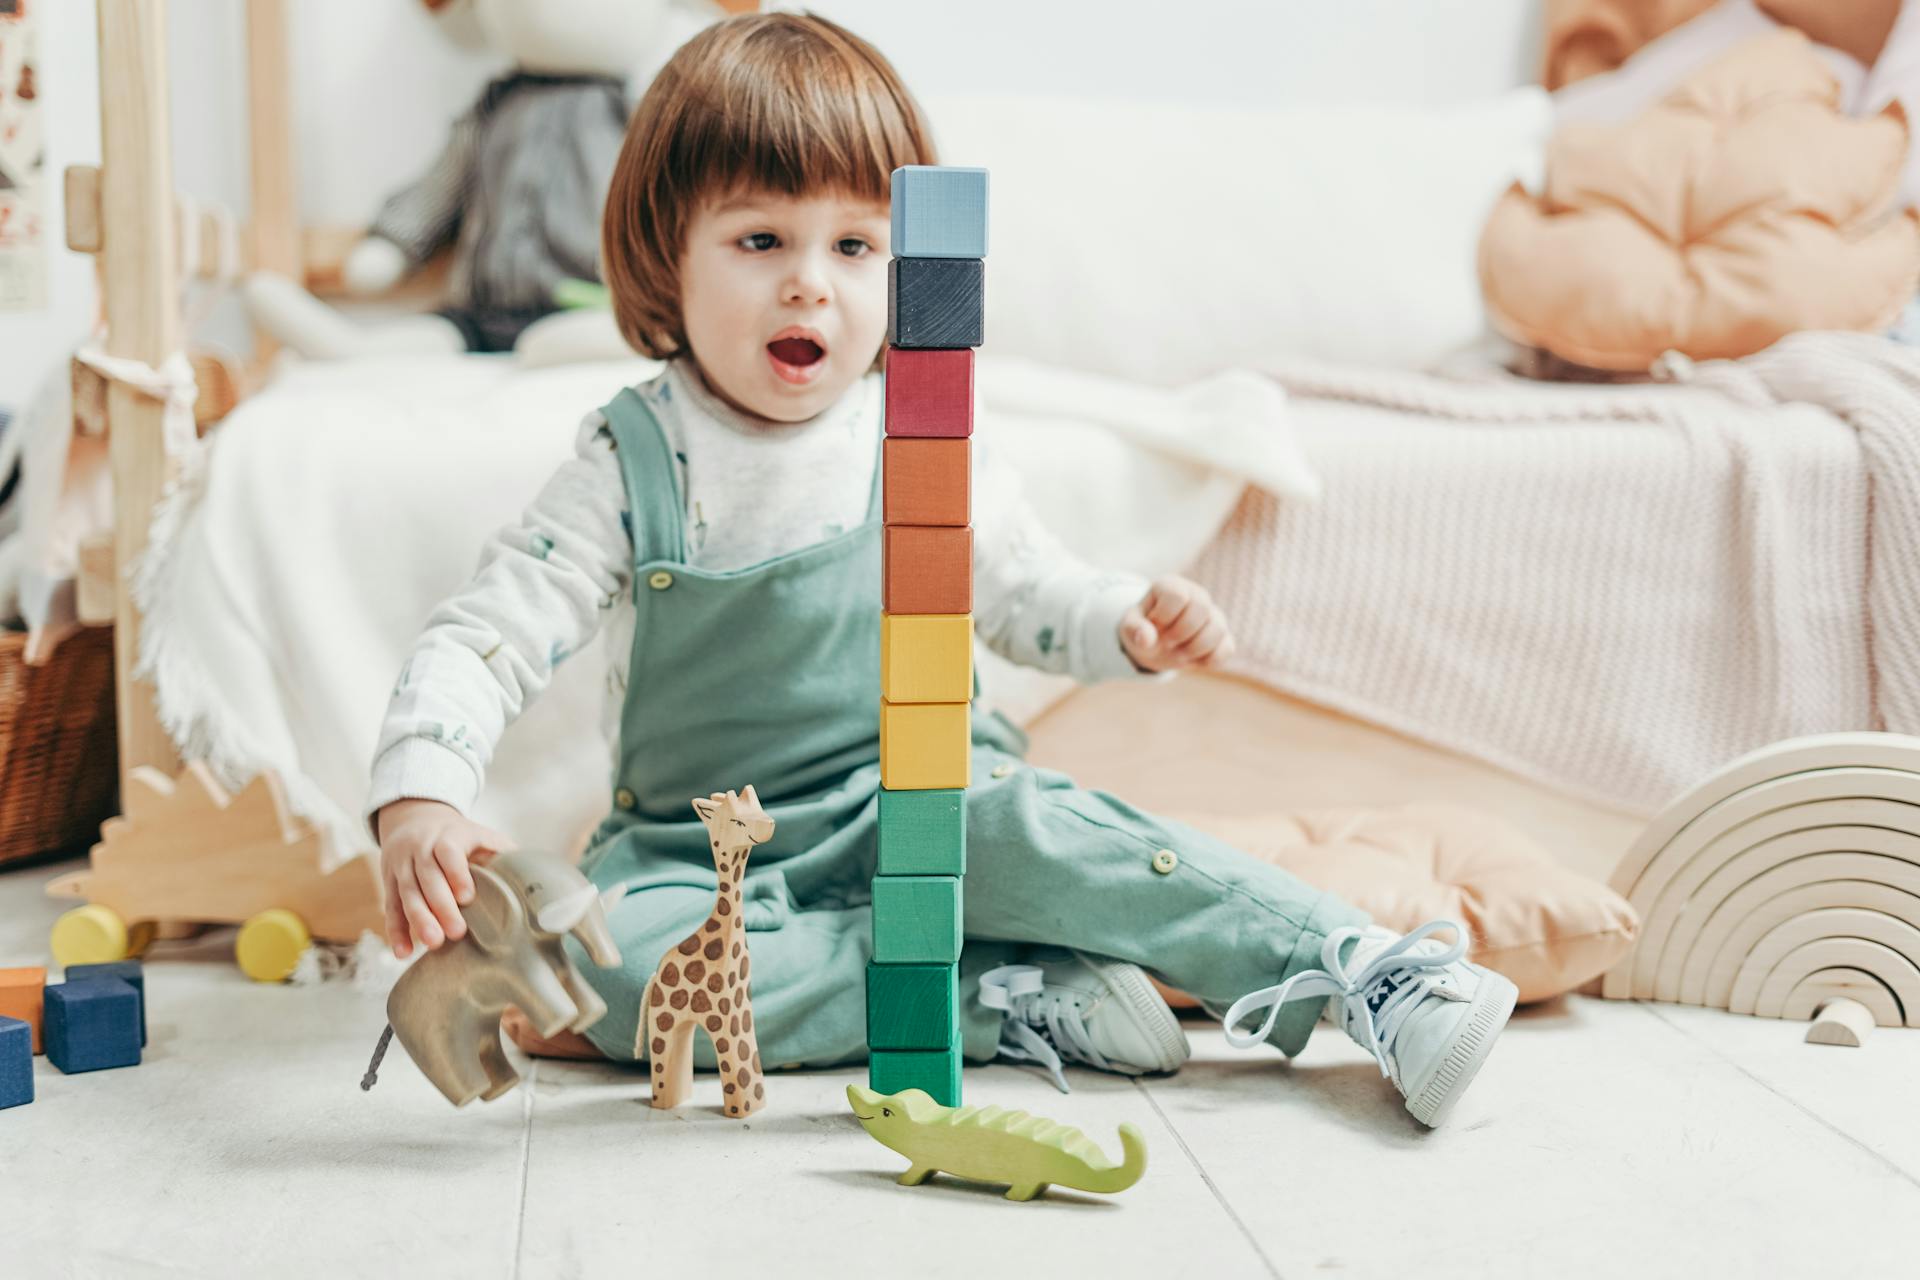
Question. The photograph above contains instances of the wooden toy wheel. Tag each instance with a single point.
(270, 945)
(92, 934)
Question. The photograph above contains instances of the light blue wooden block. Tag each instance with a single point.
(939, 211)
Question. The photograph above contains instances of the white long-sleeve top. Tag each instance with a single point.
(548, 583)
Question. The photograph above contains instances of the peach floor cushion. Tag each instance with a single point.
(1741, 208)
(1547, 928)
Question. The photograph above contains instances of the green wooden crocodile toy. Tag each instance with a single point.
(992, 1144)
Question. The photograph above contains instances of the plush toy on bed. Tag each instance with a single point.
(517, 191)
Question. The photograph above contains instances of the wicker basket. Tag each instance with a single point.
(59, 762)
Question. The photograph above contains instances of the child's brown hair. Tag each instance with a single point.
(785, 103)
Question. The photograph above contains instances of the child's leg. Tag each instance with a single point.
(809, 976)
(1050, 862)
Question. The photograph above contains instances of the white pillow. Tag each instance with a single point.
(1161, 243)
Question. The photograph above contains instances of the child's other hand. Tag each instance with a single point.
(1175, 625)
(424, 850)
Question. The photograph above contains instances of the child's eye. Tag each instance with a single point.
(853, 247)
(759, 241)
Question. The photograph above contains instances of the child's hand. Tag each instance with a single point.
(1175, 625)
(424, 850)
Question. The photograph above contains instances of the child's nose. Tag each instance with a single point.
(808, 282)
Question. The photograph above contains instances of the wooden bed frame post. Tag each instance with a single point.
(275, 221)
(141, 292)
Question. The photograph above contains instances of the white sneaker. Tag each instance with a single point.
(1081, 1008)
(1428, 1016)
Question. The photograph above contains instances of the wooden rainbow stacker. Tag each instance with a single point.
(935, 301)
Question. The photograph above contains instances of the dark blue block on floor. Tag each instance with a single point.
(91, 1025)
(16, 1063)
(129, 971)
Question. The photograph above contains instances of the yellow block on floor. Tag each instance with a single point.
(924, 745)
(926, 657)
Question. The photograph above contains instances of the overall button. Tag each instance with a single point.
(625, 798)
(1165, 861)
(659, 579)
(1002, 770)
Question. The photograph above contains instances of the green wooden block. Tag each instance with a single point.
(935, 1070)
(913, 1006)
(916, 919)
(923, 833)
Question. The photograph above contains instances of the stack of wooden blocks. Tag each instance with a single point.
(935, 303)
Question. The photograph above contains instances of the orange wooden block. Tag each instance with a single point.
(928, 570)
(927, 482)
(22, 993)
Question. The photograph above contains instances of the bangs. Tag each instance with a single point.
(797, 115)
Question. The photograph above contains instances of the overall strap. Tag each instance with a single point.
(875, 494)
(656, 511)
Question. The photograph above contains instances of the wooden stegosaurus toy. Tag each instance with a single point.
(186, 852)
(992, 1144)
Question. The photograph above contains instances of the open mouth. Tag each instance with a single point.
(796, 356)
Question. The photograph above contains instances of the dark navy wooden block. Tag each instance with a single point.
(939, 211)
(92, 1025)
(936, 302)
(129, 971)
(16, 1063)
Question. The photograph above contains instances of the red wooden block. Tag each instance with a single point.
(928, 570)
(929, 393)
(927, 482)
(22, 995)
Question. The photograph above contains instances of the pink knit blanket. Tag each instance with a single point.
(1611, 589)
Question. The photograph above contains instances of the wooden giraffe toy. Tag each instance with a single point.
(702, 983)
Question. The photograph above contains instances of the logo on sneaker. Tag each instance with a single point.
(1384, 987)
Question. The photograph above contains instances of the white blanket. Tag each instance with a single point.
(1612, 589)
(311, 536)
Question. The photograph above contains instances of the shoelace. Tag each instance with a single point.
(1019, 992)
(1406, 974)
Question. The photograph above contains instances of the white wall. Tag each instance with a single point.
(30, 341)
(1243, 52)
(376, 81)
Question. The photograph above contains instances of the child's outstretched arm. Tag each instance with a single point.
(542, 588)
(1036, 603)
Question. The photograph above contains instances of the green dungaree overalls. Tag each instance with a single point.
(769, 675)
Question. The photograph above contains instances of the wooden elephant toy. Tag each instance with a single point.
(446, 1008)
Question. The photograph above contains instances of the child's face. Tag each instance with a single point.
(784, 298)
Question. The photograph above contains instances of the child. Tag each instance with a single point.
(721, 522)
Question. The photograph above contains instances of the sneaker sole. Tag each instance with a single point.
(1129, 985)
(1492, 1006)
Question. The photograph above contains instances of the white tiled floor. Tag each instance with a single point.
(1601, 1140)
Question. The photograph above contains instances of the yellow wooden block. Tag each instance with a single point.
(924, 745)
(926, 657)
